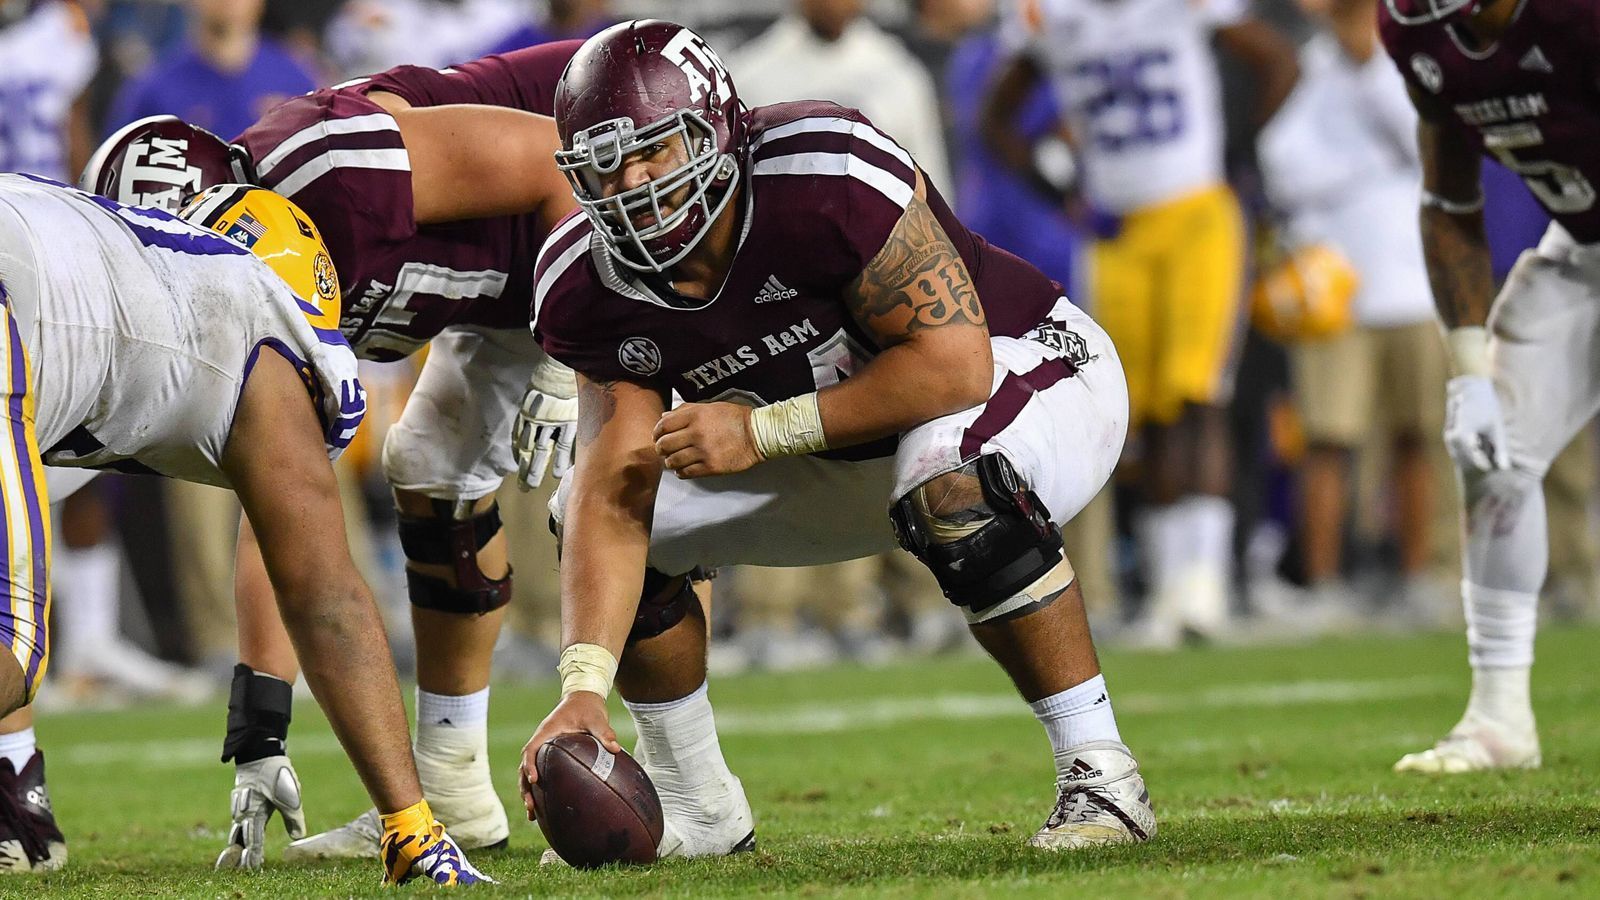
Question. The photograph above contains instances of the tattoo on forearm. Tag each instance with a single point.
(917, 280)
(597, 403)
(1458, 267)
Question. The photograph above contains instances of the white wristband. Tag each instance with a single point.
(587, 667)
(1469, 349)
(789, 427)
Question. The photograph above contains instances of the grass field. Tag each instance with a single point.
(1269, 768)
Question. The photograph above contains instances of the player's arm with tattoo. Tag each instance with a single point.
(917, 300)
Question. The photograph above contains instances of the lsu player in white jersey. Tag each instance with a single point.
(1141, 160)
(138, 341)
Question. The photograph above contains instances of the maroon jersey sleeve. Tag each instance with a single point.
(522, 79)
(850, 181)
(589, 336)
(349, 150)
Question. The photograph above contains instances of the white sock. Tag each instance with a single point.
(18, 746)
(1500, 626)
(678, 744)
(1501, 695)
(85, 580)
(1077, 716)
(453, 711)
(1205, 526)
(1163, 553)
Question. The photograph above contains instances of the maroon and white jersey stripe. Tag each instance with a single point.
(823, 189)
(341, 158)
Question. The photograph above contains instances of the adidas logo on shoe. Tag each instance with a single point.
(1081, 771)
(774, 290)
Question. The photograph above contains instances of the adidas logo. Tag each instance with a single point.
(774, 290)
(1080, 771)
(1535, 61)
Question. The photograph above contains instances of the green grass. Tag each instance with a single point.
(1269, 768)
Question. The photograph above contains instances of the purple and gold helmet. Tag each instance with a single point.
(162, 161)
(631, 86)
(1427, 12)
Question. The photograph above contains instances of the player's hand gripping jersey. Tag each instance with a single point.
(1531, 101)
(823, 190)
(140, 328)
(339, 156)
(1138, 86)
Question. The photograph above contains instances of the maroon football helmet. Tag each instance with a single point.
(1427, 12)
(162, 161)
(629, 87)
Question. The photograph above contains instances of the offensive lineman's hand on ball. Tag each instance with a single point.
(1474, 427)
(700, 439)
(580, 712)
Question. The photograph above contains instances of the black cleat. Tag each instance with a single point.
(30, 840)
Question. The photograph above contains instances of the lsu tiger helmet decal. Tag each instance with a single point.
(281, 235)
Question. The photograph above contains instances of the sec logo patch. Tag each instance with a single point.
(640, 356)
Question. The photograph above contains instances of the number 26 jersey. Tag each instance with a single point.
(1137, 84)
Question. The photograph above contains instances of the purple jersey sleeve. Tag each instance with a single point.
(522, 79)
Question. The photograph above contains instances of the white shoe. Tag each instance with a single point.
(125, 665)
(1477, 744)
(1102, 801)
(356, 839)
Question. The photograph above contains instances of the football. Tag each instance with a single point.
(595, 807)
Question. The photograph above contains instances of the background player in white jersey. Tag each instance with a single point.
(1138, 88)
(137, 341)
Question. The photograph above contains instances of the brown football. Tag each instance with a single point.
(595, 807)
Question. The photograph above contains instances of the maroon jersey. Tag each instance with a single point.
(823, 190)
(1532, 100)
(339, 156)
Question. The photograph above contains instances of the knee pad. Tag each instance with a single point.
(989, 558)
(444, 539)
(665, 600)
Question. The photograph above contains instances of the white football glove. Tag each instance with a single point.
(543, 432)
(1474, 428)
(260, 788)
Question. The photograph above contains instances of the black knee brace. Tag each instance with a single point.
(663, 603)
(1005, 555)
(258, 716)
(442, 539)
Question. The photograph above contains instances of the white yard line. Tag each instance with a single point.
(819, 718)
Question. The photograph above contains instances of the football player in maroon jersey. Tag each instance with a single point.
(1517, 81)
(845, 349)
(433, 189)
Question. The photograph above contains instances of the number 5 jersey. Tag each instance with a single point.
(1531, 100)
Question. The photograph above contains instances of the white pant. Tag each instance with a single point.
(1063, 434)
(453, 440)
(1545, 347)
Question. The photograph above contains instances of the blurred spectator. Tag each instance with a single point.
(1140, 158)
(567, 20)
(47, 59)
(1339, 161)
(371, 36)
(223, 77)
(826, 50)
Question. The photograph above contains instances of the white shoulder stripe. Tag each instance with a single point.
(564, 230)
(557, 267)
(318, 166)
(836, 125)
(353, 125)
(886, 183)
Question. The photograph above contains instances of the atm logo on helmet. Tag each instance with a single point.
(700, 65)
